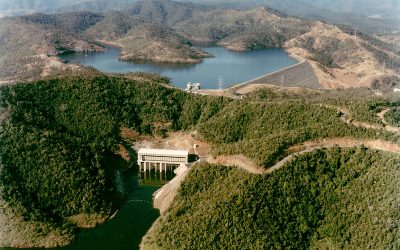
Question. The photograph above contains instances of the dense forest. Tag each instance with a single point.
(264, 131)
(57, 136)
(393, 117)
(335, 198)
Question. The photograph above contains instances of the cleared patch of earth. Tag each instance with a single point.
(175, 140)
(351, 73)
(240, 161)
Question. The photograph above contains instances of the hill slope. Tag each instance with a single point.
(325, 199)
(57, 136)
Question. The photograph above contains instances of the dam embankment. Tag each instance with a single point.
(298, 75)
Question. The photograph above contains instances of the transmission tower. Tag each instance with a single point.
(220, 82)
(355, 35)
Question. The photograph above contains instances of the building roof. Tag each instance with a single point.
(169, 152)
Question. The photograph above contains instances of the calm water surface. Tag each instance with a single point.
(231, 67)
(133, 219)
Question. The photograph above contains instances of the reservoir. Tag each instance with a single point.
(226, 66)
(132, 220)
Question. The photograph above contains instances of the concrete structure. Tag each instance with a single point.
(161, 159)
(298, 75)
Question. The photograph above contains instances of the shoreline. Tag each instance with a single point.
(124, 57)
(163, 197)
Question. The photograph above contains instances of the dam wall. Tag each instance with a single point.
(298, 75)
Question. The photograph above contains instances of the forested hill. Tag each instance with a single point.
(333, 199)
(56, 135)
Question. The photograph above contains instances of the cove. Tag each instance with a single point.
(232, 67)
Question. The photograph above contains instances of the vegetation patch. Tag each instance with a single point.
(393, 117)
(325, 199)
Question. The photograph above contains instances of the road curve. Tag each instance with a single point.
(335, 142)
(388, 127)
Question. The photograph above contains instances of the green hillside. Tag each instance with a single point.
(330, 199)
(57, 136)
(264, 131)
(393, 117)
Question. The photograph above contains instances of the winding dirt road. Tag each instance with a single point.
(346, 117)
(309, 146)
(388, 127)
(335, 142)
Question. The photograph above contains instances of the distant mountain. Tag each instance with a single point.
(337, 12)
(372, 15)
(21, 7)
(387, 9)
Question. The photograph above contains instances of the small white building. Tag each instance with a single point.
(161, 159)
(192, 86)
(396, 90)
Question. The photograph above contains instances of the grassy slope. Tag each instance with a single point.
(325, 199)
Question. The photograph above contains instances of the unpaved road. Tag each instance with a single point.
(166, 194)
(306, 147)
(388, 127)
(349, 120)
(335, 142)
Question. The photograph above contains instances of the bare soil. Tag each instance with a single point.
(165, 195)
(254, 87)
(351, 73)
(240, 161)
(175, 140)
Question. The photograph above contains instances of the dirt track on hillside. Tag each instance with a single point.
(248, 165)
(346, 117)
(388, 127)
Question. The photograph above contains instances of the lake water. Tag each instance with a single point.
(231, 67)
(126, 230)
